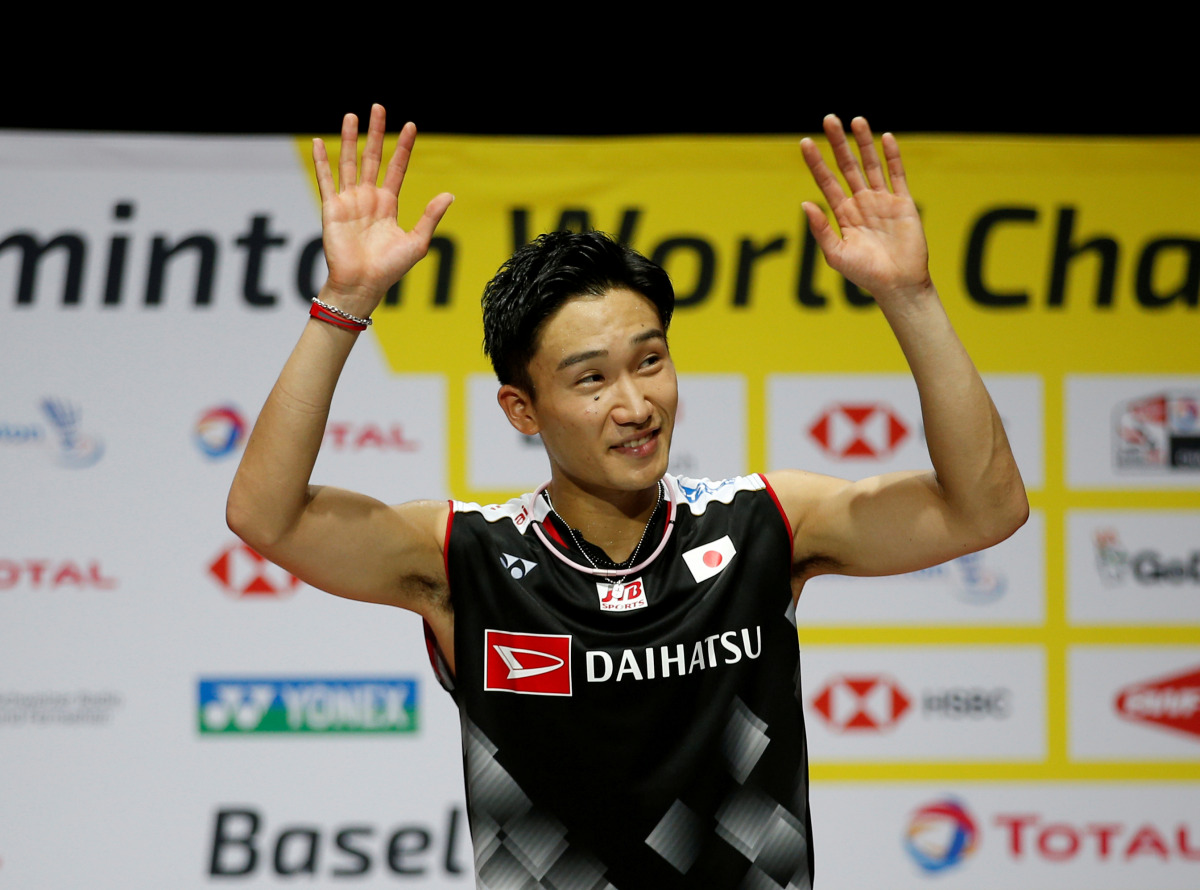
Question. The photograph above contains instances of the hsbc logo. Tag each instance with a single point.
(245, 573)
(527, 664)
(859, 431)
(1172, 703)
(861, 703)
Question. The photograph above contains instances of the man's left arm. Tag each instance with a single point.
(974, 498)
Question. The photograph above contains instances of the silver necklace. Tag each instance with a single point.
(613, 582)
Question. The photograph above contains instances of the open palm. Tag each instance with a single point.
(365, 249)
(882, 244)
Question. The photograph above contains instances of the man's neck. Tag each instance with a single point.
(614, 524)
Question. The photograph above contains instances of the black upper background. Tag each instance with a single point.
(761, 81)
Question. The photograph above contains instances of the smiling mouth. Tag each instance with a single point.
(639, 443)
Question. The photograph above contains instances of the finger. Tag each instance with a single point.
(347, 168)
(866, 151)
(373, 150)
(398, 165)
(829, 185)
(891, 154)
(822, 232)
(842, 153)
(434, 211)
(321, 166)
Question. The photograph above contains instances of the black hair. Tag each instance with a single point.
(539, 277)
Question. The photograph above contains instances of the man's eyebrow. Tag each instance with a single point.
(577, 357)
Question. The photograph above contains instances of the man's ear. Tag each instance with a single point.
(518, 408)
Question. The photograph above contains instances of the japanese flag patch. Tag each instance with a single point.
(709, 559)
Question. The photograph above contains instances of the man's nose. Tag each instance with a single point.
(631, 405)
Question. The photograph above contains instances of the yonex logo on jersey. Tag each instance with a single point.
(516, 566)
(528, 664)
(709, 559)
(621, 596)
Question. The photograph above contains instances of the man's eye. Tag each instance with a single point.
(651, 360)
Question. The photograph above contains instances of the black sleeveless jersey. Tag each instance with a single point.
(639, 728)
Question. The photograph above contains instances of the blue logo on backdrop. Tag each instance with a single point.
(310, 705)
(63, 434)
(220, 431)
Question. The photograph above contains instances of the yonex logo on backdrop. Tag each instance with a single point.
(527, 664)
(325, 705)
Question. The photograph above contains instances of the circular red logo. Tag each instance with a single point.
(712, 559)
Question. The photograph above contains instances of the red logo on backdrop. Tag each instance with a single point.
(242, 572)
(1173, 702)
(358, 436)
(40, 574)
(868, 430)
(529, 664)
(862, 703)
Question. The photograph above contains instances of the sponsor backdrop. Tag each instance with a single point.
(175, 711)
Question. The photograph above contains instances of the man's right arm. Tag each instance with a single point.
(339, 541)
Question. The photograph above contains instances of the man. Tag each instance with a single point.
(621, 643)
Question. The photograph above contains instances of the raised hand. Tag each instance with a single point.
(365, 249)
(882, 244)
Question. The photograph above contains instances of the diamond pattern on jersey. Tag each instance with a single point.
(744, 741)
(773, 838)
(518, 846)
(765, 833)
(677, 836)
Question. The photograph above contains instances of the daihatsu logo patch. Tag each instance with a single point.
(528, 664)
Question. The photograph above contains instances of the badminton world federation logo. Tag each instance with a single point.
(940, 835)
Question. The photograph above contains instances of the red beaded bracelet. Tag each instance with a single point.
(322, 311)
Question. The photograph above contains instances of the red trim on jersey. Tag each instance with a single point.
(786, 523)
(553, 533)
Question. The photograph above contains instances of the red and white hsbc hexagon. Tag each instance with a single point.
(245, 573)
(527, 664)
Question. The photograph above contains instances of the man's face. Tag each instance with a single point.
(606, 393)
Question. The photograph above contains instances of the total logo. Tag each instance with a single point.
(291, 705)
(54, 574)
(345, 436)
(1115, 564)
(941, 835)
(244, 573)
(1158, 432)
(1171, 703)
(859, 431)
(69, 443)
(867, 703)
(219, 431)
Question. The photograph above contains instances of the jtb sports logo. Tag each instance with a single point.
(1172, 702)
(621, 596)
(856, 431)
(307, 705)
(940, 835)
(528, 664)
